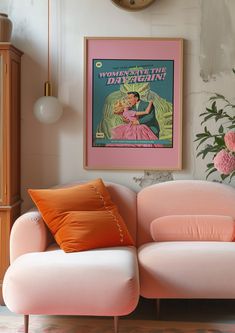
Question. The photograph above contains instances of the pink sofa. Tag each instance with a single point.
(42, 279)
(192, 269)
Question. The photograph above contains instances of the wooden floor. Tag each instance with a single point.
(187, 310)
(221, 311)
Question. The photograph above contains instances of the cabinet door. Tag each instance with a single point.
(13, 120)
(9, 148)
(9, 127)
(2, 138)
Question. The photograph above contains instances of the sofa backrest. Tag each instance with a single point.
(125, 199)
(181, 197)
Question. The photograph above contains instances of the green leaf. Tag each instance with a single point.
(200, 136)
(223, 176)
(202, 140)
(214, 107)
(202, 114)
(233, 70)
(207, 117)
(212, 98)
(228, 105)
(220, 96)
(209, 166)
(215, 148)
(209, 149)
(206, 131)
(219, 141)
(200, 153)
(232, 175)
(221, 129)
(218, 117)
(209, 110)
(217, 96)
(206, 151)
(209, 173)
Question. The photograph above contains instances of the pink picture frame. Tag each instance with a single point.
(133, 103)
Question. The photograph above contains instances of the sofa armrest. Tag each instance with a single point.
(28, 234)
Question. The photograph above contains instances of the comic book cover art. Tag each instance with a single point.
(132, 103)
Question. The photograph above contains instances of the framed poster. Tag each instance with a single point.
(133, 103)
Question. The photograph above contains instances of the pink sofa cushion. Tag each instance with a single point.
(100, 282)
(193, 228)
(187, 270)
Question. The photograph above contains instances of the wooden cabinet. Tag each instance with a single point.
(9, 148)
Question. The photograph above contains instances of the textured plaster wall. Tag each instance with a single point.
(53, 154)
(217, 48)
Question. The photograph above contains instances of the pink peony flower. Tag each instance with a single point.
(229, 140)
(224, 162)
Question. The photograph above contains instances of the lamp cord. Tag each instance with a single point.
(48, 43)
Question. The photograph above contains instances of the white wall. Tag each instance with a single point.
(53, 154)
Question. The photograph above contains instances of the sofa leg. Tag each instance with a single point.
(116, 324)
(26, 323)
(158, 308)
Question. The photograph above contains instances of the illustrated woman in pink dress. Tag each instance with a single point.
(132, 130)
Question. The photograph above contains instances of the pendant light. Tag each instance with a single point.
(47, 109)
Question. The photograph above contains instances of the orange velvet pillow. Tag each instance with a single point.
(82, 217)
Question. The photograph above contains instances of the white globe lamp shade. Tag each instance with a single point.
(47, 109)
